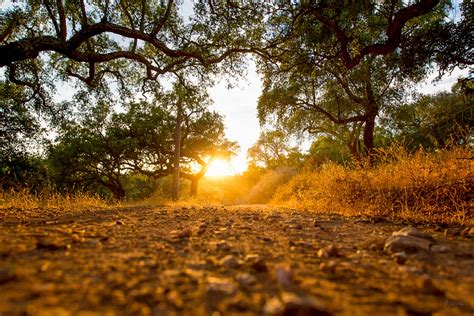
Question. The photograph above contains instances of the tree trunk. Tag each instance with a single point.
(117, 190)
(194, 186)
(354, 148)
(369, 130)
(177, 153)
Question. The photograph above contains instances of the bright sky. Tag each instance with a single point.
(239, 107)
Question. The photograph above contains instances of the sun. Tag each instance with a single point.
(220, 168)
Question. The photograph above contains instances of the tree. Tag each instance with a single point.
(448, 43)
(334, 101)
(273, 150)
(95, 41)
(20, 136)
(88, 154)
(325, 149)
(314, 32)
(101, 146)
(433, 121)
(98, 39)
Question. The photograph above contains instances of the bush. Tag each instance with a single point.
(421, 186)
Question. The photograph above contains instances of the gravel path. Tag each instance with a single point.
(242, 260)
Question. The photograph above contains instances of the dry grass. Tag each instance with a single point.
(25, 200)
(432, 187)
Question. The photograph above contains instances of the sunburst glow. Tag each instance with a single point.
(219, 168)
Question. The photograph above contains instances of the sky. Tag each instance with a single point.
(239, 108)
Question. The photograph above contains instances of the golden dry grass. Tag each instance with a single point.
(433, 187)
(25, 200)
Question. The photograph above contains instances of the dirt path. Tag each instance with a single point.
(247, 260)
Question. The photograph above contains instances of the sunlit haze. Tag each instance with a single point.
(239, 107)
(220, 168)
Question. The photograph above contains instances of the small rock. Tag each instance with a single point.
(175, 299)
(284, 275)
(427, 286)
(222, 245)
(413, 232)
(185, 233)
(273, 307)
(408, 269)
(298, 226)
(315, 223)
(328, 267)
(322, 253)
(220, 285)
(332, 250)
(245, 279)
(440, 249)
(328, 251)
(119, 222)
(303, 305)
(408, 244)
(201, 229)
(375, 247)
(252, 257)
(229, 261)
(400, 257)
(51, 245)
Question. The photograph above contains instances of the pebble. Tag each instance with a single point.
(328, 251)
(220, 285)
(51, 245)
(322, 253)
(300, 304)
(408, 269)
(426, 284)
(185, 233)
(400, 257)
(408, 244)
(245, 279)
(328, 267)
(440, 249)
(252, 257)
(411, 231)
(284, 274)
(274, 306)
(222, 245)
(229, 261)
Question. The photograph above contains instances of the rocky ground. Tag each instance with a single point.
(247, 260)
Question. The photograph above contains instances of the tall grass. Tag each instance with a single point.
(25, 200)
(433, 187)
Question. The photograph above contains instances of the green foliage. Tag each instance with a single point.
(111, 150)
(434, 121)
(327, 149)
(273, 150)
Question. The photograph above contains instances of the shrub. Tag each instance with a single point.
(421, 186)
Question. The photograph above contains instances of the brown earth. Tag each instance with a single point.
(246, 260)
